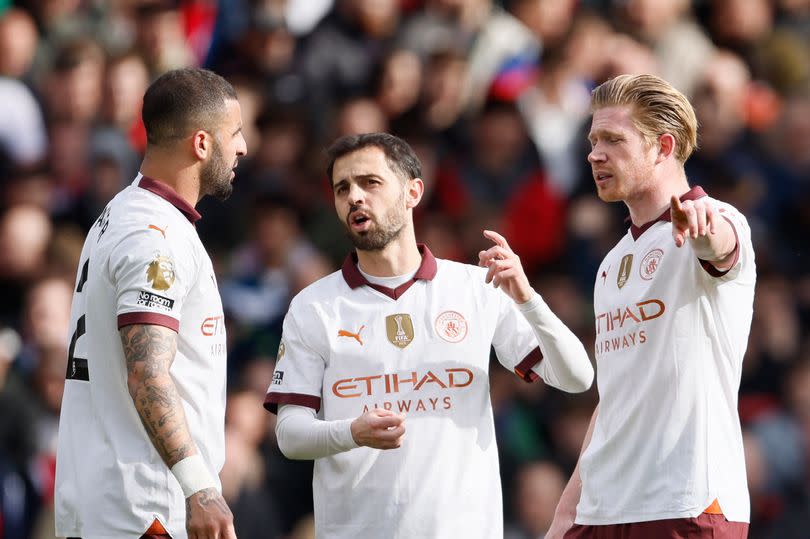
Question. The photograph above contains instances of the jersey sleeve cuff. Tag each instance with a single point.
(709, 267)
(273, 400)
(148, 318)
(344, 433)
(525, 370)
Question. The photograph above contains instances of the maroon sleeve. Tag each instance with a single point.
(524, 368)
(273, 400)
(148, 318)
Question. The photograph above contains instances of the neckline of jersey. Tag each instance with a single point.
(694, 193)
(170, 195)
(427, 271)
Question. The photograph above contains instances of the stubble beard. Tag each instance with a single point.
(215, 176)
(608, 195)
(635, 183)
(625, 189)
(380, 234)
(377, 238)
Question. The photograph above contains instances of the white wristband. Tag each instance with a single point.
(193, 475)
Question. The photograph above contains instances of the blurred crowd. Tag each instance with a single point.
(494, 97)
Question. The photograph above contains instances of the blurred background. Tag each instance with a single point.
(494, 97)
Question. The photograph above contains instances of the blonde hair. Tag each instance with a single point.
(657, 108)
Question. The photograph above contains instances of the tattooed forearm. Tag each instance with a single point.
(149, 352)
(149, 348)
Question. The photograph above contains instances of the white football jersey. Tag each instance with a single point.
(142, 263)
(423, 349)
(671, 332)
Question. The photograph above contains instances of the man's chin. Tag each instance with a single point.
(364, 241)
(606, 195)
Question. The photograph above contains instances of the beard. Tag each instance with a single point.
(215, 176)
(381, 233)
(376, 239)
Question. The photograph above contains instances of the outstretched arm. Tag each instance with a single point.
(149, 351)
(712, 237)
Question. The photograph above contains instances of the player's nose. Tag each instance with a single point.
(241, 149)
(356, 195)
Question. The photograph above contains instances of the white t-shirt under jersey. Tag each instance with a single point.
(671, 332)
(424, 349)
(142, 263)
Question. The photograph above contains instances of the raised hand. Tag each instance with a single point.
(691, 219)
(379, 428)
(505, 269)
(712, 237)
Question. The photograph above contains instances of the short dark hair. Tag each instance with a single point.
(184, 100)
(398, 153)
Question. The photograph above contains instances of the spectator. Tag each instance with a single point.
(18, 43)
(539, 486)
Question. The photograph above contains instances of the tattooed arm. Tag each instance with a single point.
(149, 351)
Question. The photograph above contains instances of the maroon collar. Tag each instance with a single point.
(164, 191)
(693, 194)
(353, 277)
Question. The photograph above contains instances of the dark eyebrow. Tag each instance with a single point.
(359, 177)
(362, 177)
(368, 177)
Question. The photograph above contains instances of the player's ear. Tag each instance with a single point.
(414, 189)
(666, 147)
(201, 144)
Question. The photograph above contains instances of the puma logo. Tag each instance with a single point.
(161, 230)
(355, 336)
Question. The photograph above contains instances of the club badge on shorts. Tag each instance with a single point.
(399, 329)
(160, 273)
(451, 326)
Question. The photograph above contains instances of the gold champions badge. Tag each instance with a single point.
(624, 270)
(399, 329)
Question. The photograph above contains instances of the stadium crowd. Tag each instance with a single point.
(494, 96)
